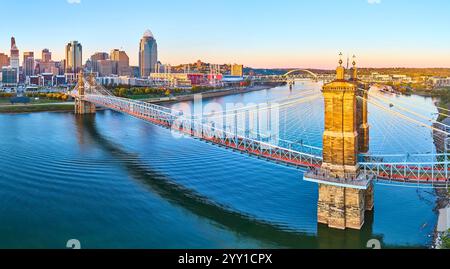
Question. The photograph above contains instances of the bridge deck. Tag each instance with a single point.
(436, 173)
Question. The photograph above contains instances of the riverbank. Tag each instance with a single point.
(68, 106)
(30, 108)
(108, 143)
(441, 233)
(212, 94)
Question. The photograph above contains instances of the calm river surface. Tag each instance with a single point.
(113, 181)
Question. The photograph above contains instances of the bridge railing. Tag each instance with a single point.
(195, 127)
(409, 158)
(434, 172)
(410, 172)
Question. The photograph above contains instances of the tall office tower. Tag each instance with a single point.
(46, 64)
(74, 57)
(107, 68)
(9, 77)
(148, 54)
(15, 58)
(61, 65)
(46, 56)
(28, 63)
(95, 58)
(98, 56)
(4, 60)
(123, 62)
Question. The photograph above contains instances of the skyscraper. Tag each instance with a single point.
(4, 60)
(28, 63)
(98, 56)
(107, 68)
(123, 62)
(46, 56)
(95, 58)
(148, 54)
(15, 57)
(74, 57)
(46, 65)
(27, 54)
(9, 77)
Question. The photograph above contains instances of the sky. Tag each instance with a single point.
(256, 33)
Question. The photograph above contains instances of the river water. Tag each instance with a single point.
(113, 181)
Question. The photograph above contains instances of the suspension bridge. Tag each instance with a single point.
(344, 168)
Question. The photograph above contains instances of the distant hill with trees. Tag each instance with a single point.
(412, 72)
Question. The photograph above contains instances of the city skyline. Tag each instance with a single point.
(264, 35)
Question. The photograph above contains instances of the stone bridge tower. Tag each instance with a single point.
(362, 111)
(345, 193)
(82, 106)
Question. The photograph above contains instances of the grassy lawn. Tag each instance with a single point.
(150, 96)
(143, 96)
(6, 101)
(36, 108)
(45, 101)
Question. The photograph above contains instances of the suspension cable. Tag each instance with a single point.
(267, 104)
(264, 108)
(404, 116)
(410, 111)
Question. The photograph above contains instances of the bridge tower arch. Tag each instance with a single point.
(345, 192)
(82, 106)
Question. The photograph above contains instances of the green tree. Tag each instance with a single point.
(123, 92)
(446, 240)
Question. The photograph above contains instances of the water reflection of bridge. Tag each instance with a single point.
(344, 163)
(240, 223)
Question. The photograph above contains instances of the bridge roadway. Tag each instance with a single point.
(175, 121)
(431, 173)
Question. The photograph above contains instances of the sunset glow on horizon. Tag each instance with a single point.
(260, 34)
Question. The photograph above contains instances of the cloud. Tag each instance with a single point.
(372, 2)
(72, 2)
